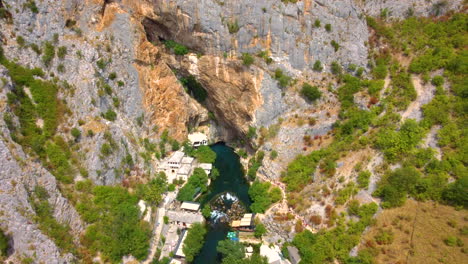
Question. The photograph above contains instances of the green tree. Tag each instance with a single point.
(260, 230)
(194, 241)
(205, 154)
(231, 248)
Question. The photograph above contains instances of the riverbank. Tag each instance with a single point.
(231, 180)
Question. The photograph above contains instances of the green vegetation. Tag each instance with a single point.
(44, 105)
(363, 179)
(109, 115)
(335, 45)
(75, 132)
(252, 132)
(3, 244)
(318, 66)
(403, 91)
(317, 23)
(21, 42)
(204, 154)
(233, 27)
(194, 88)
(336, 68)
(299, 172)
(234, 253)
(260, 230)
(49, 53)
(101, 63)
(31, 4)
(178, 48)
(396, 143)
(114, 228)
(112, 76)
(197, 183)
(60, 233)
(152, 191)
(62, 52)
(282, 78)
(247, 59)
(328, 27)
(194, 241)
(335, 243)
(273, 154)
(263, 195)
(265, 56)
(312, 93)
(254, 164)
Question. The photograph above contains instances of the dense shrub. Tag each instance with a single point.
(363, 179)
(300, 171)
(75, 132)
(282, 78)
(194, 88)
(233, 27)
(336, 68)
(317, 23)
(59, 233)
(335, 45)
(318, 66)
(197, 183)
(334, 243)
(263, 195)
(312, 93)
(395, 186)
(152, 191)
(3, 244)
(205, 154)
(115, 229)
(109, 115)
(49, 53)
(178, 48)
(403, 91)
(247, 59)
(328, 27)
(396, 143)
(62, 52)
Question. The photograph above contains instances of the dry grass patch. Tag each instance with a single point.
(417, 233)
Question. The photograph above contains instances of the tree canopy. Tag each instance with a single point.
(194, 241)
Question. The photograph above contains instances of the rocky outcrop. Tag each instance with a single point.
(233, 91)
(286, 30)
(403, 8)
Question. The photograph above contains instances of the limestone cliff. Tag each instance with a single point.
(119, 85)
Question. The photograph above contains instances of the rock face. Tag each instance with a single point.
(115, 61)
(286, 30)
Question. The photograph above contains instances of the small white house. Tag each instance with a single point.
(190, 206)
(207, 167)
(198, 139)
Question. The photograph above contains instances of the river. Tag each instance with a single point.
(231, 179)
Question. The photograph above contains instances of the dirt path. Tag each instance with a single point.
(425, 93)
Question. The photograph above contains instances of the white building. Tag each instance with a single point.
(207, 167)
(271, 253)
(184, 172)
(190, 206)
(187, 160)
(175, 160)
(198, 139)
